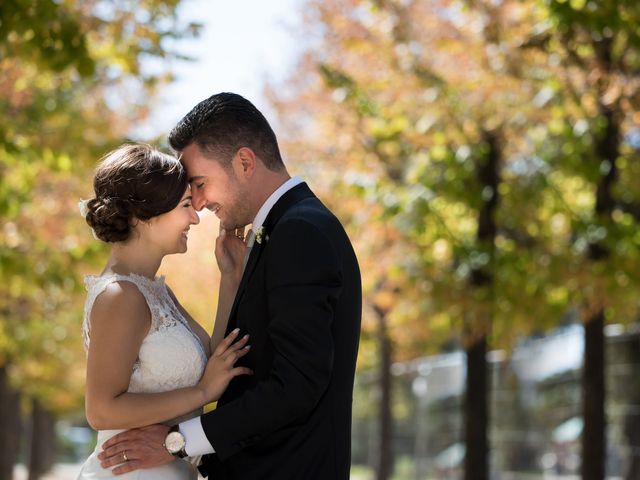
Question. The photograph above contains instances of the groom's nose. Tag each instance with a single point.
(198, 200)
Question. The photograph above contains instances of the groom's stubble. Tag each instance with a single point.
(237, 213)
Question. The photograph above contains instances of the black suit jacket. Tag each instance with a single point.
(300, 301)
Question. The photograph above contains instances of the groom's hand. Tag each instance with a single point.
(142, 448)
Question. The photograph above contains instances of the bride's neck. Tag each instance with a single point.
(128, 258)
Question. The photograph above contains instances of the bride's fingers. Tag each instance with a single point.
(233, 357)
(224, 344)
(237, 346)
(240, 371)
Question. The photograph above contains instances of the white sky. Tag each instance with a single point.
(243, 43)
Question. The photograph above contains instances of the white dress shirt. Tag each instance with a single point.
(196, 440)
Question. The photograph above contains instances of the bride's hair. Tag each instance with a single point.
(134, 181)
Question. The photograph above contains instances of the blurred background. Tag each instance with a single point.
(483, 155)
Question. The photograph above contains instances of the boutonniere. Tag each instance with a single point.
(261, 235)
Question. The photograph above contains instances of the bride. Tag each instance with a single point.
(148, 361)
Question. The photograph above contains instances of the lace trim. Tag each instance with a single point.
(95, 285)
(171, 355)
(164, 312)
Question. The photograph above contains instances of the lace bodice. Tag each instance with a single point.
(171, 355)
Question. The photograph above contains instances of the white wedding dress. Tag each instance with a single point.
(171, 356)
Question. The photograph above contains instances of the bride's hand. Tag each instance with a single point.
(230, 252)
(221, 367)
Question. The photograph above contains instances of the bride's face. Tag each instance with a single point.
(169, 232)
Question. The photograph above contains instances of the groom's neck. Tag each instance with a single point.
(266, 183)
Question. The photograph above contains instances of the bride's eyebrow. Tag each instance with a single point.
(196, 178)
(185, 198)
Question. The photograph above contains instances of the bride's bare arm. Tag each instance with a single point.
(230, 254)
(226, 295)
(120, 319)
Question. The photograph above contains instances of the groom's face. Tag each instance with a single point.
(216, 188)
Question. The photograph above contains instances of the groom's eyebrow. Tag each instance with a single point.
(193, 179)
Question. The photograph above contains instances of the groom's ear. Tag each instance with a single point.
(246, 162)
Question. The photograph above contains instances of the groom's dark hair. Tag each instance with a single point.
(224, 123)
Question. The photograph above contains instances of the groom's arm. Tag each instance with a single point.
(303, 281)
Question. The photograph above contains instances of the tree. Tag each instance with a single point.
(73, 83)
(595, 96)
(421, 101)
(471, 123)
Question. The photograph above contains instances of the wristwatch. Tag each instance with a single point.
(175, 442)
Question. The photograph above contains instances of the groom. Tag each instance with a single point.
(299, 300)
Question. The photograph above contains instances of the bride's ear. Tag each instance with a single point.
(137, 224)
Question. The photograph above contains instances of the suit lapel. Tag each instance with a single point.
(290, 198)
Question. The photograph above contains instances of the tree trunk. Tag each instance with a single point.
(10, 421)
(632, 416)
(476, 413)
(385, 465)
(594, 450)
(42, 442)
(476, 406)
(593, 396)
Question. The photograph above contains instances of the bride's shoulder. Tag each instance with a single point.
(115, 308)
(120, 300)
(119, 290)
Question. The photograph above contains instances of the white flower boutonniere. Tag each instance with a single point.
(260, 235)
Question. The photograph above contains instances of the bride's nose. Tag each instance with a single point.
(195, 218)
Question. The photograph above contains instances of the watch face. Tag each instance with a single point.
(174, 442)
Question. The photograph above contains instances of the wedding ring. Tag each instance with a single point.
(124, 455)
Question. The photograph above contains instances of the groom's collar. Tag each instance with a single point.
(266, 207)
(286, 201)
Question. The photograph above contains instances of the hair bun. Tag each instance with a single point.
(135, 181)
(109, 218)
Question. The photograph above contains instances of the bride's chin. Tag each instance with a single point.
(178, 250)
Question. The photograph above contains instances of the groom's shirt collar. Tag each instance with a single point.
(271, 201)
